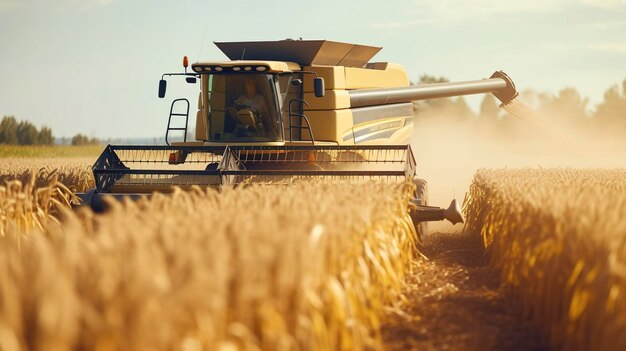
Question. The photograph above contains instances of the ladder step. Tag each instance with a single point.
(176, 128)
(179, 114)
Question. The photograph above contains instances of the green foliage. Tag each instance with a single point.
(461, 108)
(428, 79)
(8, 130)
(489, 109)
(44, 137)
(81, 139)
(567, 107)
(26, 133)
(454, 109)
(440, 106)
(23, 133)
(613, 109)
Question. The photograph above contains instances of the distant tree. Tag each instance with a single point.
(489, 110)
(81, 139)
(44, 137)
(26, 133)
(440, 104)
(8, 130)
(612, 111)
(23, 133)
(461, 109)
(428, 79)
(450, 109)
(567, 107)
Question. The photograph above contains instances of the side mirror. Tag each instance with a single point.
(318, 86)
(162, 88)
(191, 80)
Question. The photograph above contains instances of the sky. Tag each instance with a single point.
(92, 66)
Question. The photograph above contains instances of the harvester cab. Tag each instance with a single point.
(282, 111)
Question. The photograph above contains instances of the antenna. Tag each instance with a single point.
(243, 53)
(206, 29)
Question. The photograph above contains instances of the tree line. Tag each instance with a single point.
(567, 108)
(25, 133)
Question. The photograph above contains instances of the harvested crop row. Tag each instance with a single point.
(309, 266)
(559, 238)
(73, 173)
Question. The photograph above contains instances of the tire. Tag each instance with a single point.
(421, 198)
(212, 166)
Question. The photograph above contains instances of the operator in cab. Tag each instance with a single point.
(251, 113)
(252, 98)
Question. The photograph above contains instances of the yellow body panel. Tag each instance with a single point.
(332, 100)
(334, 77)
(330, 125)
(399, 137)
(388, 76)
(383, 131)
(380, 75)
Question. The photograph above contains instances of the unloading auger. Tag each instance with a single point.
(286, 111)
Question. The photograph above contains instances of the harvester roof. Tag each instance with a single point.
(303, 52)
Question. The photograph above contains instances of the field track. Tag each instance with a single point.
(457, 302)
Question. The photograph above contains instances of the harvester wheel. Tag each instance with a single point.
(212, 166)
(421, 198)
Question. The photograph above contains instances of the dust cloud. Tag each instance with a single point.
(448, 153)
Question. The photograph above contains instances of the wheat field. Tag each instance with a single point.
(252, 268)
(74, 173)
(558, 237)
(25, 207)
(310, 266)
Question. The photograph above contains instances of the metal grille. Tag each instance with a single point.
(158, 168)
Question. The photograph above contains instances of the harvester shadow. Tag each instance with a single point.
(456, 302)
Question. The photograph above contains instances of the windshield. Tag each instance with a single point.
(243, 107)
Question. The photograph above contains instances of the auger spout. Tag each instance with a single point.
(421, 213)
(500, 84)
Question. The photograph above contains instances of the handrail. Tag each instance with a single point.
(169, 121)
(301, 115)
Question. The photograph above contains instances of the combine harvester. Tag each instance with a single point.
(281, 111)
